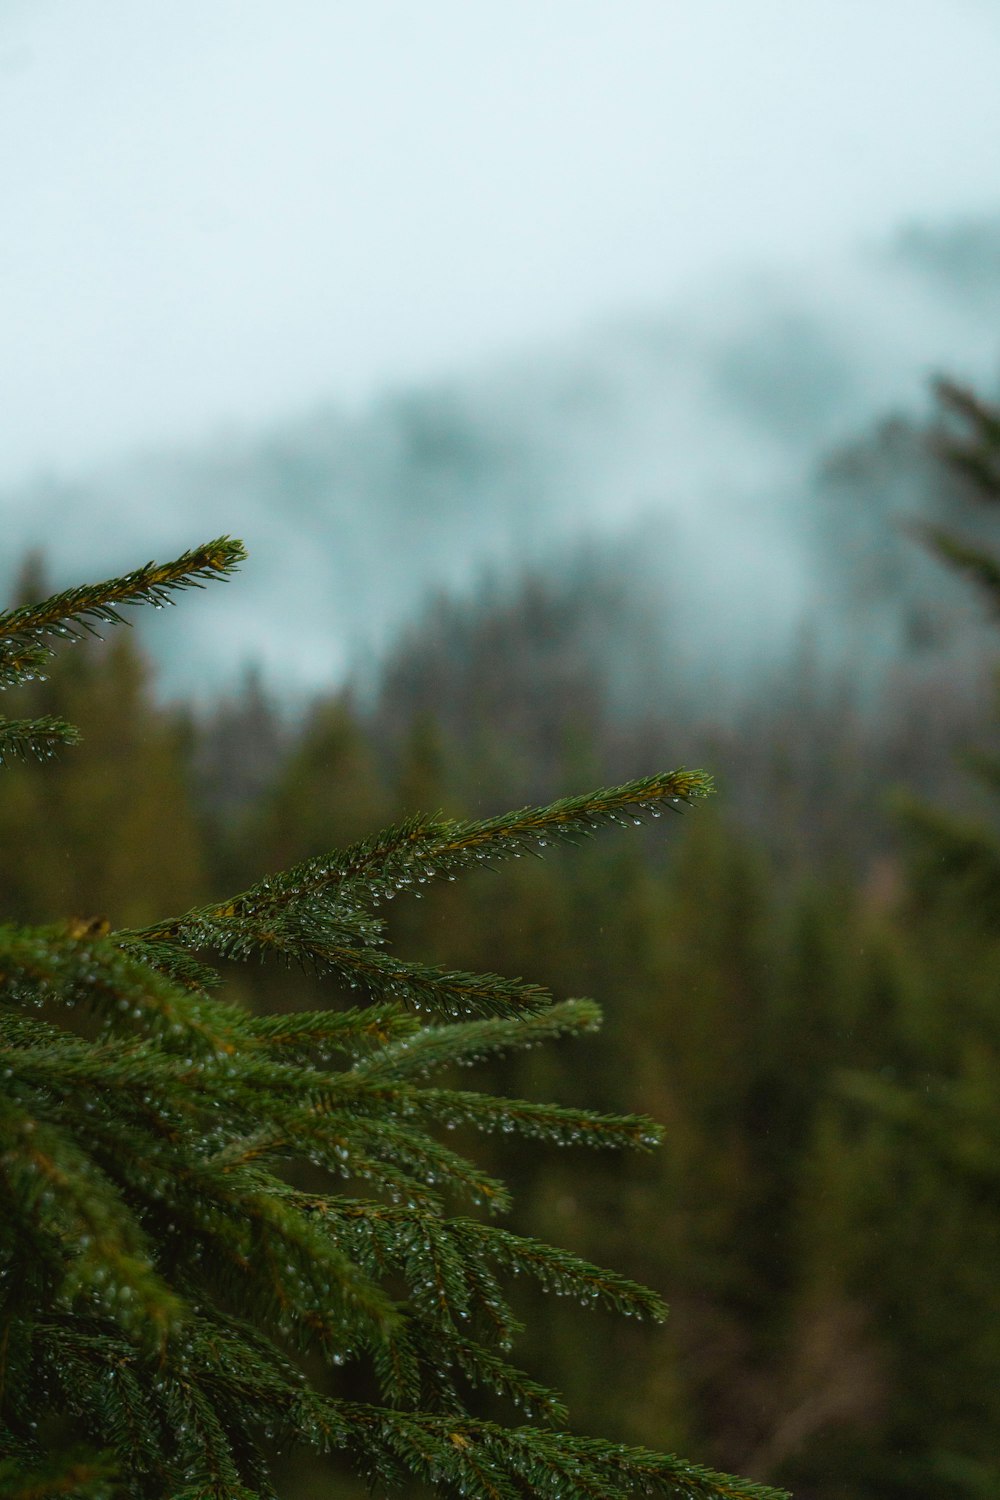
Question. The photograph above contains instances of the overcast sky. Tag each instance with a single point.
(219, 210)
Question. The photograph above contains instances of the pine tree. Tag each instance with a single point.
(966, 852)
(164, 1271)
(927, 1125)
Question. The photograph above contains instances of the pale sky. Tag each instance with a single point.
(218, 211)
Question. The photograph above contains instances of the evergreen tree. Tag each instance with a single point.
(327, 791)
(196, 1198)
(965, 851)
(920, 1135)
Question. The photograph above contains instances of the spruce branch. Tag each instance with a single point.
(20, 665)
(38, 738)
(978, 565)
(166, 1276)
(401, 1235)
(176, 963)
(422, 849)
(450, 992)
(450, 1273)
(69, 615)
(63, 1196)
(386, 1150)
(975, 452)
(549, 1122)
(421, 986)
(319, 1032)
(483, 1367)
(490, 1462)
(71, 964)
(429, 1048)
(318, 912)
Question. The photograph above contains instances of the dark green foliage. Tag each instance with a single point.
(924, 1133)
(817, 1034)
(969, 440)
(197, 1199)
(25, 632)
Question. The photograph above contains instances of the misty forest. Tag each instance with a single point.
(799, 976)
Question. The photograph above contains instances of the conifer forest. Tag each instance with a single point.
(360, 1135)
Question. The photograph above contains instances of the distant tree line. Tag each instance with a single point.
(803, 986)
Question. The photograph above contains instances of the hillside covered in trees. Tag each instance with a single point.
(800, 984)
(707, 452)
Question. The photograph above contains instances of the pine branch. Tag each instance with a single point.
(980, 566)
(160, 1101)
(167, 1429)
(399, 1156)
(450, 1273)
(442, 1356)
(433, 1047)
(319, 1032)
(165, 1276)
(449, 992)
(315, 913)
(483, 1367)
(490, 1462)
(549, 1122)
(421, 986)
(167, 958)
(64, 1196)
(68, 616)
(388, 1232)
(975, 455)
(38, 738)
(22, 665)
(71, 964)
(423, 849)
